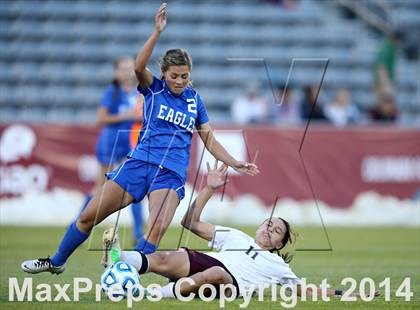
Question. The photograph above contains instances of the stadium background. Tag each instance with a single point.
(56, 59)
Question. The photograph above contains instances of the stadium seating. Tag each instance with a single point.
(57, 56)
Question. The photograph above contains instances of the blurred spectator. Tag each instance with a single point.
(385, 64)
(287, 110)
(385, 109)
(251, 108)
(308, 101)
(120, 109)
(411, 46)
(287, 4)
(342, 111)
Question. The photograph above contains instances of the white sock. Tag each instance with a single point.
(133, 258)
(166, 291)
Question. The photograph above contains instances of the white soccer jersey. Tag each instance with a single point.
(248, 263)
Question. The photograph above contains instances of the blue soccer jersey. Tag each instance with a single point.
(168, 123)
(113, 142)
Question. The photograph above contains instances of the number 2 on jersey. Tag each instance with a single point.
(192, 107)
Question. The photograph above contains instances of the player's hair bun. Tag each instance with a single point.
(175, 57)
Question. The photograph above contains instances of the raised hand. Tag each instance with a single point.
(217, 176)
(161, 18)
(248, 168)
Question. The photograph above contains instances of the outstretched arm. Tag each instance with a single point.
(220, 153)
(105, 118)
(144, 76)
(191, 220)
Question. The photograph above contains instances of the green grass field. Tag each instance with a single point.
(357, 252)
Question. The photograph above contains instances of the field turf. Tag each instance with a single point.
(377, 253)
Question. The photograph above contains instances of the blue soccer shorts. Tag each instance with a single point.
(140, 178)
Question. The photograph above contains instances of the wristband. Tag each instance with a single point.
(338, 293)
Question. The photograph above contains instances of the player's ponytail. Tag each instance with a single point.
(289, 237)
(116, 90)
(287, 257)
(115, 83)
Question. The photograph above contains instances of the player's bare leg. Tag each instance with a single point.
(101, 179)
(170, 264)
(215, 275)
(108, 200)
(162, 207)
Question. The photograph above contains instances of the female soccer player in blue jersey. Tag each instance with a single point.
(157, 167)
(117, 114)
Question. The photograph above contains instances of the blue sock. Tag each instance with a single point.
(145, 246)
(85, 203)
(138, 220)
(71, 240)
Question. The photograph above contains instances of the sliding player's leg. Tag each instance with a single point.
(174, 265)
(214, 275)
(177, 264)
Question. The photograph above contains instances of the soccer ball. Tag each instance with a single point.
(120, 277)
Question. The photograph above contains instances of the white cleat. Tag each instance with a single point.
(41, 265)
(112, 249)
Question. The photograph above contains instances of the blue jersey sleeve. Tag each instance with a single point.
(156, 86)
(202, 116)
(108, 98)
